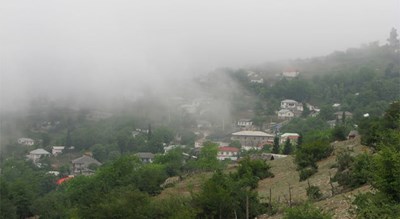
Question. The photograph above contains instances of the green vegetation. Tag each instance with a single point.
(305, 211)
(363, 80)
(308, 155)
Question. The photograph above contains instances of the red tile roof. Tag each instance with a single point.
(230, 149)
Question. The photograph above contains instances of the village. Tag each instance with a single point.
(244, 137)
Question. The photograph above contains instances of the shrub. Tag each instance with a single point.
(314, 193)
(306, 173)
(305, 211)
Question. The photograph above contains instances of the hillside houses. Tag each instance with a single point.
(244, 123)
(253, 139)
(26, 141)
(254, 78)
(290, 109)
(37, 154)
(56, 150)
(81, 165)
(290, 73)
(227, 153)
(293, 138)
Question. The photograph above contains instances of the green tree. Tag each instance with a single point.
(276, 148)
(235, 144)
(305, 211)
(287, 149)
(208, 157)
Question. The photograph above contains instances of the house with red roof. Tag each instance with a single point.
(293, 138)
(227, 153)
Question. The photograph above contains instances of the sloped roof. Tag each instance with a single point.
(290, 134)
(39, 151)
(86, 160)
(145, 155)
(253, 133)
(284, 111)
(289, 101)
(59, 147)
(229, 149)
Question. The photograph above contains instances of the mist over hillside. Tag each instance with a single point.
(102, 52)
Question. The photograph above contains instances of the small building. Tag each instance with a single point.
(26, 141)
(145, 157)
(227, 153)
(292, 105)
(244, 123)
(171, 147)
(56, 150)
(285, 114)
(255, 78)
(253, 139)
(81, 165)
(37, 154)
(293, 138)
(290, 73)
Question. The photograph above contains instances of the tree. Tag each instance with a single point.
(287, 149)
(306, 110)
(392, 40)
(208, 157)
(236, 144)
(305, 211)
(299, 141)
(275, 148)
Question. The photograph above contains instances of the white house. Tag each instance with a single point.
(290, 73)
(243, 123)
(35, 155)
(227, 153)
(293, 138)
(292, 105)
(57, 150)
(255, 78)
(253, 139)
(285, 114)
(81, 165)
(145, 157)
(26, 141)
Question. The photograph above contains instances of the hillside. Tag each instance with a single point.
(285, 173)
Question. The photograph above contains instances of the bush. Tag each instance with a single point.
(353, 172)
(377, 205)
(305, 211)
(314, 193)
(306, 173)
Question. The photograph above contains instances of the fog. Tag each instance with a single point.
(108, 49)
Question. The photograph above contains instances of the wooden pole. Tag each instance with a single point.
(247, 206)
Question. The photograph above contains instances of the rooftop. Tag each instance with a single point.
(227, 148)
(252, 133)
(290, 134)
(86, 160)
(39, 151)
(145, 155)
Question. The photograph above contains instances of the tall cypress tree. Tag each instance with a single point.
(275, 149)
(287, 149)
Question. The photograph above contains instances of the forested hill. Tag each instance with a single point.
(363, 80)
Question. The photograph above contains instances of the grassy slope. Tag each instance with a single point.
(285, 175)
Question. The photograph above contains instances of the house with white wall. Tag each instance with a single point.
(227, 153)
(37, 154)
(253, 139)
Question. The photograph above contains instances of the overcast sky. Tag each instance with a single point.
(73, 46)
